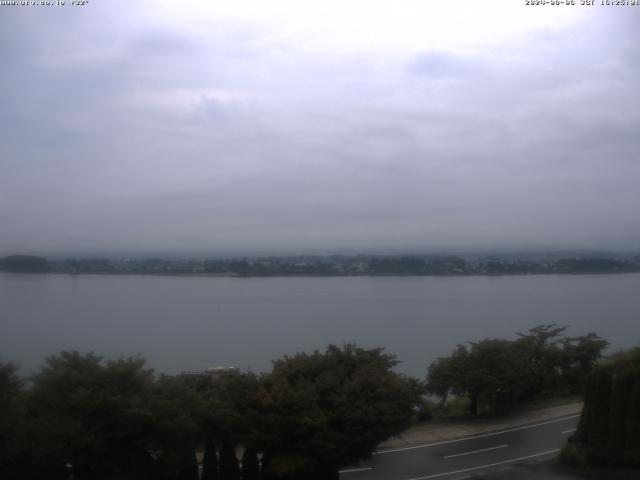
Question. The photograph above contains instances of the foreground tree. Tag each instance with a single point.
(581, 355)
(496, 374)
(609, 430)
(229, 407)
(322, 411)
(93, 416)
(209, 460)
(444, 372)
(541, 347)
(250, 466)
(13, 436)
(489, 373)
(229, 465)
(177, 411)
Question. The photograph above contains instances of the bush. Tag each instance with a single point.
(424, 412)
(573, 455)
(454, 407)
(609, 428)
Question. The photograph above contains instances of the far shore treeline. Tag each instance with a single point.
(89, 418)
(333, 265)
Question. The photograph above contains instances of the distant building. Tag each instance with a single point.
(220, 372)
(215, 372)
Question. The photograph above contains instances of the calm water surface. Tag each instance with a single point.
(190, 323)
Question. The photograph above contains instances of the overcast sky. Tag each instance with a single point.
(210, 126)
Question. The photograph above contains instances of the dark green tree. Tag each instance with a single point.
(189, 467)
(93, 415)
(177, 411)
(496, 374)
(608, 433)
(322, 411)
(229, 407)
(250, 467)
(266, 467)
(579, 357)
(229, 466)
(541, 347)
(620, 404)
(631, 455)
(14, 453)
(490, 373)
(210, 460)
(444, 372)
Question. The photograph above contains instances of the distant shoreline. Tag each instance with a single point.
(327, 266)
(300, 275)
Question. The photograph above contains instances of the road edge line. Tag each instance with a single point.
(483, 435)
(519, 459)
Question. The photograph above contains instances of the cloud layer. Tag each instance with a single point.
(211, 129)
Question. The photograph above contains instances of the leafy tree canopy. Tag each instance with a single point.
(496, 373)
(326, 410)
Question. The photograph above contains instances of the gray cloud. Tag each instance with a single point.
(122, 133)
(443, 64)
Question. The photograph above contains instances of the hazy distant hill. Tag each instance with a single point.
(24, 264)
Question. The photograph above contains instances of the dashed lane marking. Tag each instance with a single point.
(489, 465)
(476, 451)
(352, 470)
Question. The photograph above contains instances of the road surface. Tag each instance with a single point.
(467, 456)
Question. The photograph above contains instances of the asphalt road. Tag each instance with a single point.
(467, 456)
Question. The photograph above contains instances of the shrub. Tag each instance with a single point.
(573, 455)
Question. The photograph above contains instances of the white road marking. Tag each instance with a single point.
(436, 475)
(569, 431)
(380, 452)
(351, 470)
(475, 451)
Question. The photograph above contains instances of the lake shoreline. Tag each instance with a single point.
(303, 275)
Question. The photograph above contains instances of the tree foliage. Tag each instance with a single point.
(229, 465)
(97, 419)
(250, 464)
(325, 410)
(94, 415)
(608, 433)
(210, 460)
(496, 374)
(12, 431)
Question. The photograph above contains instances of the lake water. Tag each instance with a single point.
(190, 323)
